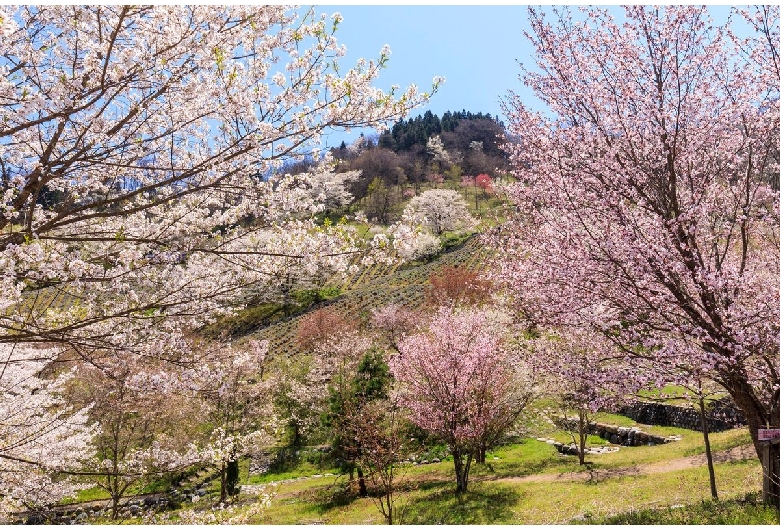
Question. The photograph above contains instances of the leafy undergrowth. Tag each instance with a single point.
(746, 510)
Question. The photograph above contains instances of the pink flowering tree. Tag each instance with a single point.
(459, 383)
(584, 374)
(645, 201)
(394, 321)
(485, 183)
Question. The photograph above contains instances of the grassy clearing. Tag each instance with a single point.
(433, 500)
(500, 495)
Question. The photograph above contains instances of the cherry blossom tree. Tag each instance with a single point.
(331, 188)
(437, 152)
(584, 373)
(138, 146)
(457, 286)
(236, 405)
(643, 205)
(485, 182)
(394, 321)
(145, 424)
(460, 383)
(318, 326)
(41, 434)
(438, 210)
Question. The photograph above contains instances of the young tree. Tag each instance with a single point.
(394, 321)
(144, 424)
(484, 182)
(439, 210)
(382, 442)
(583, 372)
(318, 326)
(348, 418)
(236, 404)
(459, 383)
(643, 206)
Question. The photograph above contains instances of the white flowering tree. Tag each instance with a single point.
(135, 149)
(137, 188)
(39, 433)
(330, 188)
(439, 210)
(144, 423)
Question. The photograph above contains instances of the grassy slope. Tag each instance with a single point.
(375, 287)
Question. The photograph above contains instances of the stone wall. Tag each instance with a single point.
(722, 415)
(628, 436)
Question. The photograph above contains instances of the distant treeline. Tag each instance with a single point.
(402, 156)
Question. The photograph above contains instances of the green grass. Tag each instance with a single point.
(434, 501)
(497, 496)
(505, 490)
(739, 511)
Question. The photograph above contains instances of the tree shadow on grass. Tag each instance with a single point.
(437, 503)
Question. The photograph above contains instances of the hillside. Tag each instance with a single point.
(371, 288)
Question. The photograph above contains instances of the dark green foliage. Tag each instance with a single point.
(373, 377)
(346, 399)
(406, 134)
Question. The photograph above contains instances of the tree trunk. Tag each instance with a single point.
(362, 490)
(707, 449)
(582, 432)
(481, 454)
(232, 477)
(114, 506)
(222, 484)
(770, 461)
(757, 417)
(461, 470)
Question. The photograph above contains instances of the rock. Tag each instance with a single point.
(425, 462)
(614, 439)
(435, 460)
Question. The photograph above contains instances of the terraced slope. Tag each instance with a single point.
(375, 287)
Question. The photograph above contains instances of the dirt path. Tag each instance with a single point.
(728, 455)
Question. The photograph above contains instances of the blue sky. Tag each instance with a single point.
(476, 48)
